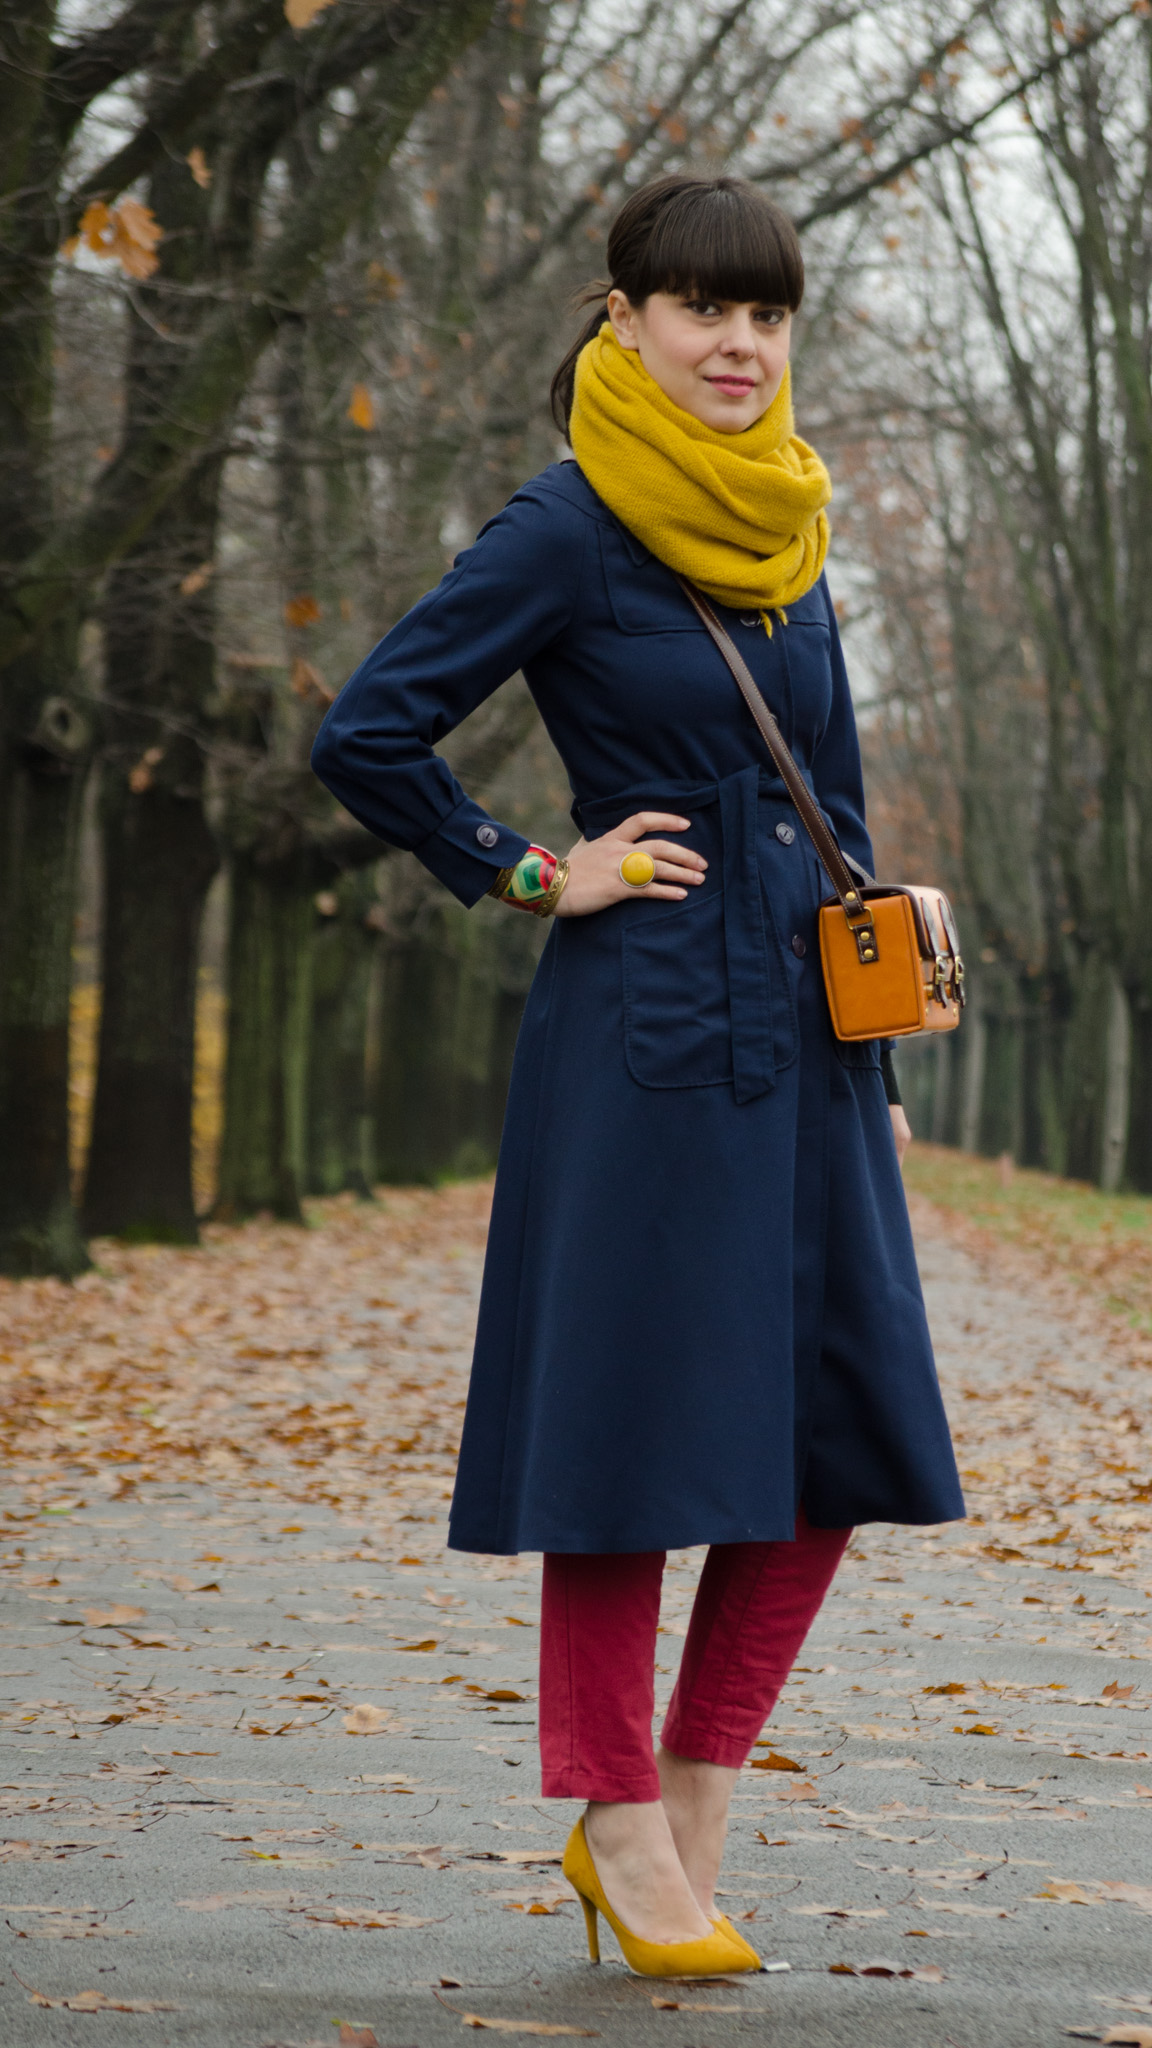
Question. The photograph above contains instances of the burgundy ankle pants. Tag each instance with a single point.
(754, 1606)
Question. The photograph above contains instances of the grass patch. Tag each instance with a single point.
(1103, 1242)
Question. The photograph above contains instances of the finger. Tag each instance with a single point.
(656, 889)
(681, 856)
(652, 821)
(670, 871)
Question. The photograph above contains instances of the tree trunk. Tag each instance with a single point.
(44, 731)
(433, 1104)
(976, 1032)
(344, 955)
(1140, 1113)
(160, 858)
(1000, 1108)
(43, 794)
(1117, 1086)
(263, 1154)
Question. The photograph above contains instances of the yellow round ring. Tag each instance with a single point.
(637, 869)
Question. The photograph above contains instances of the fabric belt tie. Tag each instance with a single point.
(745, 940)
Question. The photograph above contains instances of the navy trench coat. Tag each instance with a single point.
(700, 1302)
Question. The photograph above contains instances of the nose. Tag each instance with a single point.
(739, 337)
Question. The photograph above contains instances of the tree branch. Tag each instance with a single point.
(942, 132)
(81, 71)
(177, 113)
(131, 491)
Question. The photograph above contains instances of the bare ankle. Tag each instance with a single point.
(640, 1870)
(696, 1799)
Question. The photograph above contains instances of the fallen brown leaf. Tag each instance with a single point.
(349, 1916)
(774, 1762)
(841, 1912)
(515, 1856)
(928, 1973)
(356, 2037)
(366, 1720)
(1130, 2037)
(113, 1617)
(94, 2001)
(475, 2019)
(692, 2005)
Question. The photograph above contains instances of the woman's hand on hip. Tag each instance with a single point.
(594, 878)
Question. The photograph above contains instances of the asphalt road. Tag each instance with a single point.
(970, 1804)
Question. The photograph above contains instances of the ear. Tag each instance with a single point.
(622, 314)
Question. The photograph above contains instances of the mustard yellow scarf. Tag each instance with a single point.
(742, 515)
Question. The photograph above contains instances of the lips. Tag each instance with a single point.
(738, 385)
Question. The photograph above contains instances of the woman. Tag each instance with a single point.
(701, 1320)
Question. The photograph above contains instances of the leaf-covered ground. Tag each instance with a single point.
(1101, 1244)
(305, 1362)
(270, 1751)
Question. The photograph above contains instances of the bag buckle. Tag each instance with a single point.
(862, 928)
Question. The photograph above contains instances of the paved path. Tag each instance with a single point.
(191, 1820)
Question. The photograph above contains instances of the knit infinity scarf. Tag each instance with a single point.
(741, 515)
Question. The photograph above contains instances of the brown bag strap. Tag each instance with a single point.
(823, 839)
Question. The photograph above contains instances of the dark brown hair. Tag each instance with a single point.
(717, 238)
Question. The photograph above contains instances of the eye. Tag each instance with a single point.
(703, 306)
(770, 316)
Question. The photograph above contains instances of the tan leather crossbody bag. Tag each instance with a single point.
(889, 951)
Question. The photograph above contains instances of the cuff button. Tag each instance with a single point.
(487, 835)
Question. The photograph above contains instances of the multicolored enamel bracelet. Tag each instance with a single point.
(536, 883)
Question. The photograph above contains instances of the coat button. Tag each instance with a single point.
(487, 835)
(785, 833)
(749, 618)
(798, 946)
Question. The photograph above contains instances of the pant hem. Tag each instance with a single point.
(575, 1784)
(706, 1746)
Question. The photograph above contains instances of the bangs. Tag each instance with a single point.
(694, 237)
(723, 241)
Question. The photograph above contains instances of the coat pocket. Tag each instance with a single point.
(677, 1024)
(858, 1052)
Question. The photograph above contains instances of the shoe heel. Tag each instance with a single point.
(592, 1928)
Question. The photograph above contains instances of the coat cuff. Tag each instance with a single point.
(468, 849)
(891, 1084)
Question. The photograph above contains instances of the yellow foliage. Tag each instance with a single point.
(126, 234)
(361, 410)
(301, 13)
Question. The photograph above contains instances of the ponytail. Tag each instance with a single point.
(563, 386)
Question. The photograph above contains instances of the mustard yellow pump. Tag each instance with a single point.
(714, 1955)
(724, 1926)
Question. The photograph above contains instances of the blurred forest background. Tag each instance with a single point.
(282, 284)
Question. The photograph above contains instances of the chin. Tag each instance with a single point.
(730, 419)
